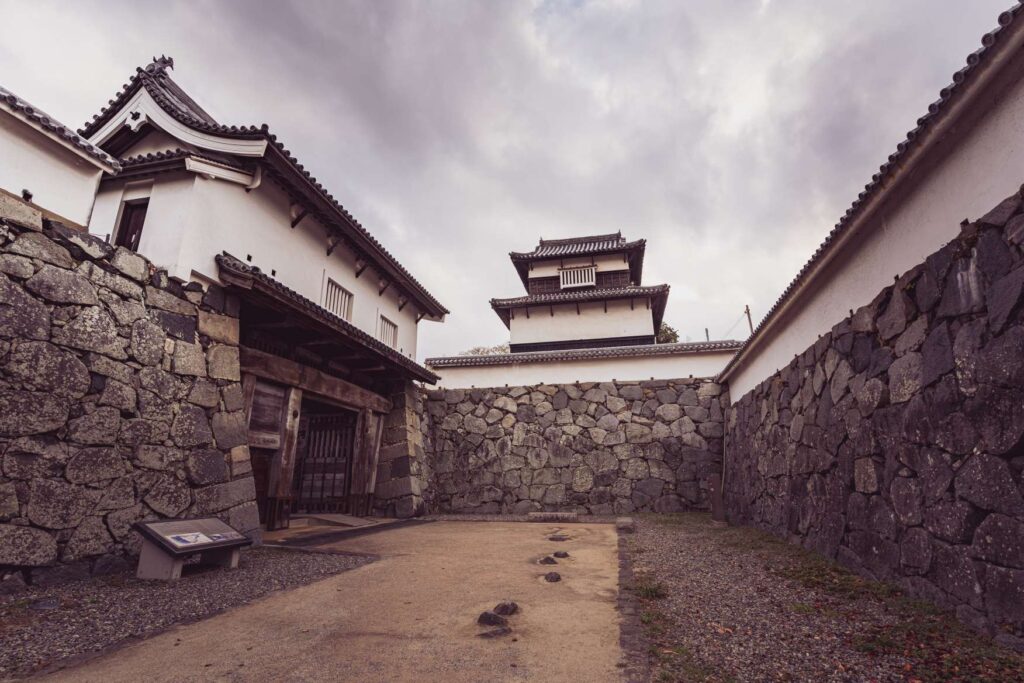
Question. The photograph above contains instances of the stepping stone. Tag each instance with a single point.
(558, 537)
(548, 560)
(553, 517)
(506, 608)
(561, 554)
(552, 577)
(491, 619)
(496, 632)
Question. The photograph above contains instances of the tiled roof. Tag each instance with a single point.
(937, 110)
(178, 154)
(679, 349)
(658, 293)
(232, 266)
(576, 247)
(173, 100)
(573, 295)
(31, 114)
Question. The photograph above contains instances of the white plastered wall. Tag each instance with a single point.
(62, 183)
(604, 263)
(621, 320)
(706, 364)
(191, 219)
(985, 166)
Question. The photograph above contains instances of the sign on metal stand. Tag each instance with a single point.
(166, 545)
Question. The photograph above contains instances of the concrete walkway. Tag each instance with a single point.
(411, 616)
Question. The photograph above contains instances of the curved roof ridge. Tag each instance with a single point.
(166, 93)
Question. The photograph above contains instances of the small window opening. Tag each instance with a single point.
(388, 332)
(133, 216)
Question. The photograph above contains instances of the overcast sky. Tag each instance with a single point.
(731, 135)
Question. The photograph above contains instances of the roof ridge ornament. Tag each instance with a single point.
(159, 65)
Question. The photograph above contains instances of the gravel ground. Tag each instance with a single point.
(735, 604)
(47, 628)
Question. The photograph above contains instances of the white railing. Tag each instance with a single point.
(338, 300)
(578, 277)
(388, 332)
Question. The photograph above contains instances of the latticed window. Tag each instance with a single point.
(578, 277)
(388, 332)
(338, 300)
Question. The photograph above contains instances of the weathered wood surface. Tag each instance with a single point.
(269, 366)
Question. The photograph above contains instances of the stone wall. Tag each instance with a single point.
(120, 401)
(401, 479)
(895, 442)
(606, 448)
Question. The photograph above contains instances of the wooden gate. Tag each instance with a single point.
(323, 475)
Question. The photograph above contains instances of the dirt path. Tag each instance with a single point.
(411, 616)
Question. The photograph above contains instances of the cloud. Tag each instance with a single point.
(730, 135)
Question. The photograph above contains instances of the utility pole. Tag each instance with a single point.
(707, 335)
(746, 309)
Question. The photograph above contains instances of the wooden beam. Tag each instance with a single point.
(298, 219)
(419, 317)
(402, 301)
(360, 266)
(383, 288)
(290, 373)
(332, 244)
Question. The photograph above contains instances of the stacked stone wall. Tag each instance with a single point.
(608, 448)
(120, 401)
(894, 443)
(402, 468)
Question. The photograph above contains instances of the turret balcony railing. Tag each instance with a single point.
(570, 278)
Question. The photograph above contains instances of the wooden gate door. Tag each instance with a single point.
(323, 475)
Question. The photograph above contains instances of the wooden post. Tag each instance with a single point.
(282, 467)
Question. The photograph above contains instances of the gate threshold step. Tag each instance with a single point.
(331, 519)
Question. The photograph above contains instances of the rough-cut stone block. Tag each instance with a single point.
(987, 482)
(44, 367)
(170, 496)
(1004, 595)
(904, 378)
(188, 359)
(99, 427)
(92, 330)
(89, 465)
(206, 466)
(191, 427)
(223, 362)
(54, 504)
(1000, 539)
(35, 245)
(91, 538)
(147, 342)
(62, 286)
(23, 546)
(20, 213)
(21, 316)
(131, 264)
